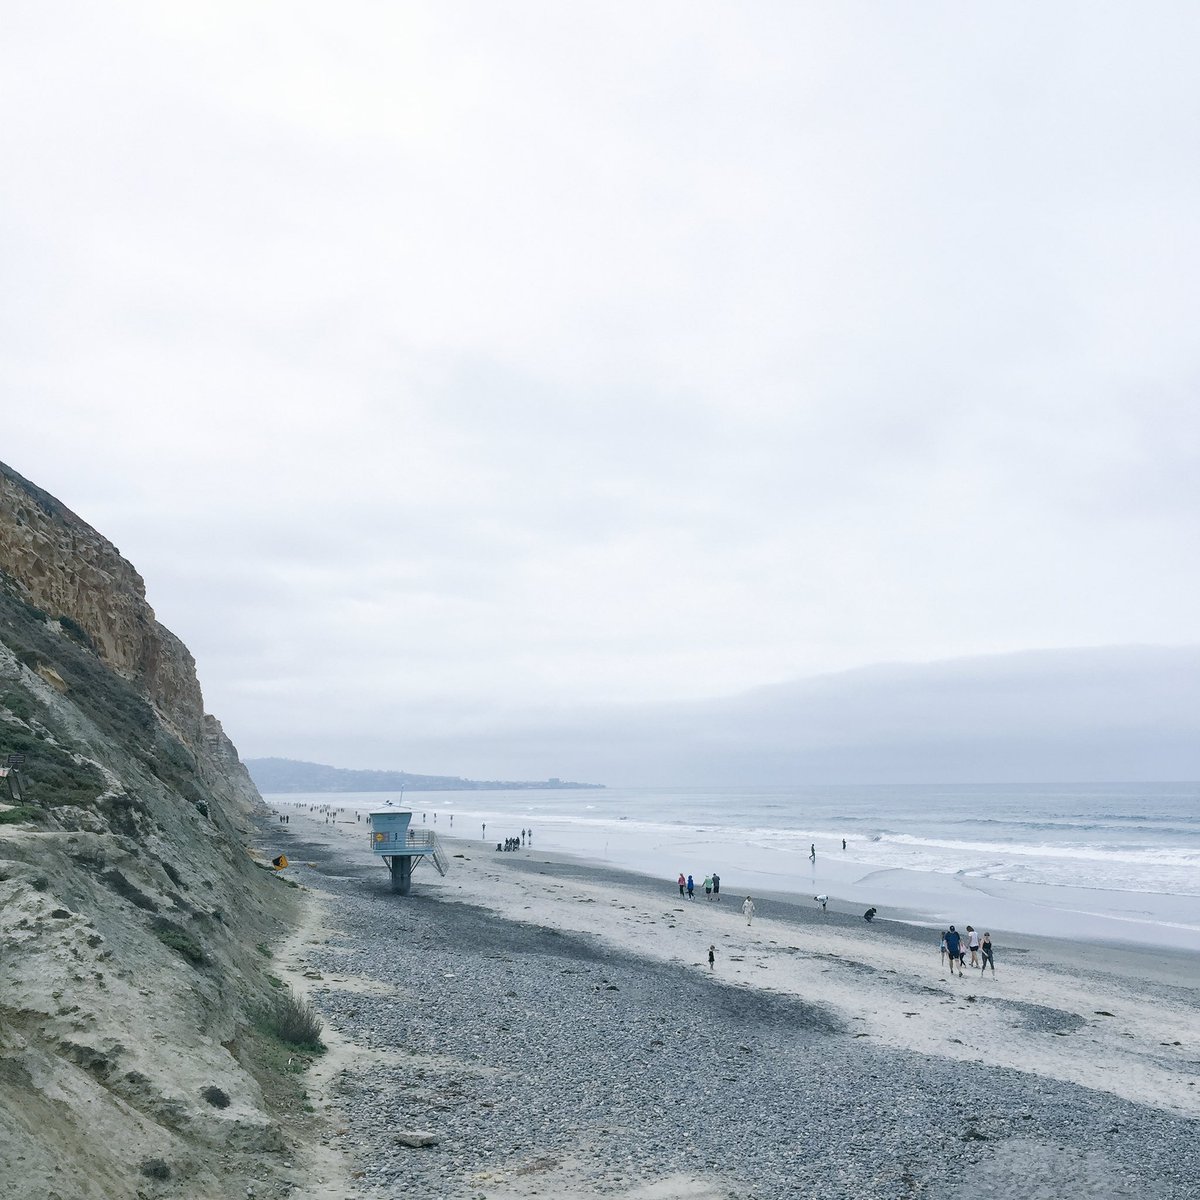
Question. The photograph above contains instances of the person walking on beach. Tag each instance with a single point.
(712, 956)
(716, 886)
(943, 948)
(682, 883)
(748, 911)
(986, 949)
(812, 852)
(843, 843)
(691, 886)
(708, 887)
(973, 945)
(954, 949)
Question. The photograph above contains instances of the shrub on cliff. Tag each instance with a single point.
(182, 943)
(22, 814)
(51, 775)
(293, 1020)
(21, 706)
(77, 633)
(155, 1168)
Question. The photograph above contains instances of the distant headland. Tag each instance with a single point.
(291, 775)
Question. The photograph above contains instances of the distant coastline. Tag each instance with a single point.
(283, 775)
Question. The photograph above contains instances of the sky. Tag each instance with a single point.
(446, 368)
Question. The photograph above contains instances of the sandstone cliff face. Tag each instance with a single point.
(68, 569)
(135, 926)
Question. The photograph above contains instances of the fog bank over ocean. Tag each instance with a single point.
(1104, 714)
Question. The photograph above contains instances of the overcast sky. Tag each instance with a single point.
(441, 362)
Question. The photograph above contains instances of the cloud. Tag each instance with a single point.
(435, 361)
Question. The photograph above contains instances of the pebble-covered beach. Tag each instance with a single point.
(537, 1057)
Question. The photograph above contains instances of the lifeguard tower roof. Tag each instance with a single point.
(390, 818)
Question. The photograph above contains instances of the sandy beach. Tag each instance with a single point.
(558, 1029)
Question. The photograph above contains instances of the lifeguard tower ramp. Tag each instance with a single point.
(402, 847)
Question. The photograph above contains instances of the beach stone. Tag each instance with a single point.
(415, 1139)
(575, 1078)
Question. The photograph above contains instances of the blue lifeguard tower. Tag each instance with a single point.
(402, 847)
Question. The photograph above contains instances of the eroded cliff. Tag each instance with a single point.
(65, 568)
(135, 926)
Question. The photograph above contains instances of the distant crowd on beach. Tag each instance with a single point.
(516, 842)
(711, 885)
(712, 890)
(957, 946)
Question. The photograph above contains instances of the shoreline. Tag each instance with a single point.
(1169, 965)
(513, 955)
(1164, 963)
(927, 896)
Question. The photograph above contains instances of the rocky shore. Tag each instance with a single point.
(549, 1061)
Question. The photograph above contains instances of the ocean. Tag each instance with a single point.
(1098, 861)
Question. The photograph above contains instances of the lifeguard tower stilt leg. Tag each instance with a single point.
(401, 866)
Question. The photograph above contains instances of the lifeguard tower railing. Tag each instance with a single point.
(401, 846)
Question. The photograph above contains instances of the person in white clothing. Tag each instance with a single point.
(748, 909)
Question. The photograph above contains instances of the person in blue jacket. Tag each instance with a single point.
(954, 949)
(691, 888)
